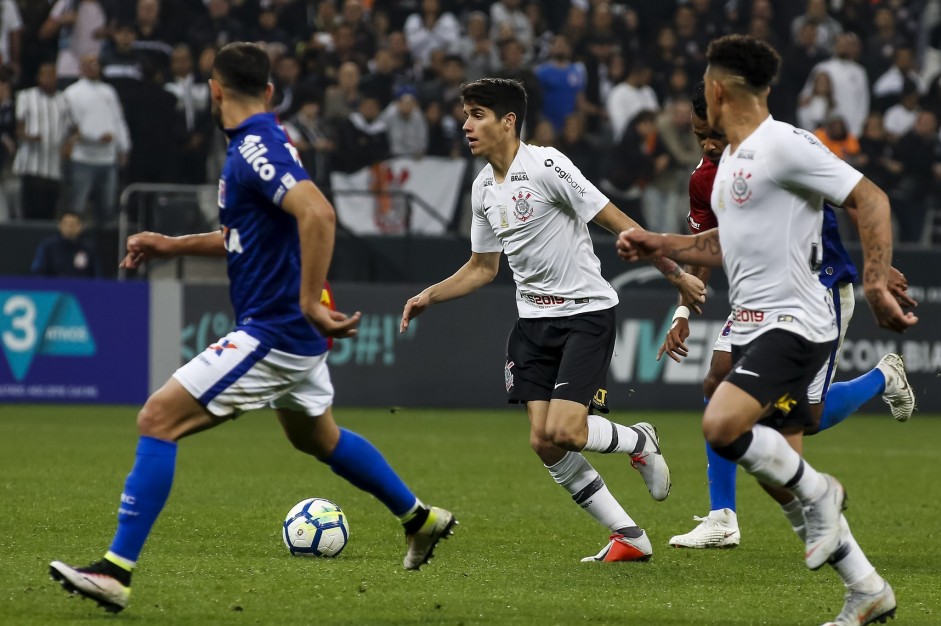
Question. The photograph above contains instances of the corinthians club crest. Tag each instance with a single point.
(523, 209)
(740, 191)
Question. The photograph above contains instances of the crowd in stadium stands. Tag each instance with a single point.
(95, 94)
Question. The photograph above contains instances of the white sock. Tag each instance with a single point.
(794, 513)
(588, 490)
(770, 459)
(606, 436)
(851, 563)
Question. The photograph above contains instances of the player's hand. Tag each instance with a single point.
(330, 323)
(692, 290)
(888, 311)
(145, 246)
(414, 307)
(674, 346)
(635, 244)
(898, 287)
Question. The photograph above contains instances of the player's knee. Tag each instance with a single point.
(152, 421)
(718, 431)
(309, 445)
(566, 436)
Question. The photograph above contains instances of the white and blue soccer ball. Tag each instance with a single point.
(315, 527)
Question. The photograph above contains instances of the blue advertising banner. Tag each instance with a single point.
(73, 341)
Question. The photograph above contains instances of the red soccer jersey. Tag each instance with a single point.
(701, 218)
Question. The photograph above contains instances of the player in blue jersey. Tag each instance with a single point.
(720, 529)
(277, 236)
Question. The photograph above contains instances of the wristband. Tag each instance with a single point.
(681, 311)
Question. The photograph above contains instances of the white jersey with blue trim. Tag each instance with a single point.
(769, 197)
(261, 239)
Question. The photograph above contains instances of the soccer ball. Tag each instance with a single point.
(315, 527)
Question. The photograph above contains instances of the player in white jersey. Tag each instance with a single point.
(772, 174)
(533, 204)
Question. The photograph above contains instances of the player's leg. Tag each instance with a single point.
(868, 595)
(572, 471)
(583, 368)
(306, 416)
(168, 415)
(842, 399)
(719, 529)
(771, 375)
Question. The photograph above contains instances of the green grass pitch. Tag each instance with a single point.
(216, 555)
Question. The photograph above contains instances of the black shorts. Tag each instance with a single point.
(776, 368)
(559, 357)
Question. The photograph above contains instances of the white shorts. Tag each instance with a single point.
(844, 303)
(237, 374)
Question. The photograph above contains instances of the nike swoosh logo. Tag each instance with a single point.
(739, 370)
(557, 385)
(487, 208)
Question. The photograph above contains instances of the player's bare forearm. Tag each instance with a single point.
(703, 249)
(480, 270)
(871, 207)
(316, 228)
(701, 272)
(616, 221)
(201, 244)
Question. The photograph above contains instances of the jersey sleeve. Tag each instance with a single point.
(800, 160)
(563, 183)
(276, 172)
(483, 239)
(701, 218)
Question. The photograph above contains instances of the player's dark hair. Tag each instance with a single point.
(243, 68)
(502, 95)
(753, 60)
(699, 100)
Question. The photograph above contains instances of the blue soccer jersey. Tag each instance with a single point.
(837, 267)
(261, 239)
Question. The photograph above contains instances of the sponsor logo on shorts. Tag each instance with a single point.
(543, 301)
(218, 348)
(508, 375)
(785, 403)
(747, 316)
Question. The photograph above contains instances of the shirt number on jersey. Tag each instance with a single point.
(231, 238)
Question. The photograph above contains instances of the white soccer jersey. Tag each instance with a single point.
(539, 217)
(768, 196)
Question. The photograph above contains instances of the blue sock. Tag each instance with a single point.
(844, 399)
(721, 473)
(145, 492)
(359, 462)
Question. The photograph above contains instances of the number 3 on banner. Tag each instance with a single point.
(22, 312)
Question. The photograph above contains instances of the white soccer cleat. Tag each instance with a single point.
(822, 523)
(898, 393)
(860, 609)
(621, 548)
(651, 464)
(719, 529)
(421, 544)
(93, 582)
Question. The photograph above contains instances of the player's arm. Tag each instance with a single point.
(316, 227)
(875, 232)
(147, 245)
(480, 270)
(640, 245)
(897, 283)
(691, 288)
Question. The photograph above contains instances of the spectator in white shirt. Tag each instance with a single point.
(850, 82)
(11, 23)
(78, 24)
(406, 124)
(817, 107)
(827, 27)
(630, 98)
(431, 30)
(42, 122)
(509, 15)
(901, 117)
(889, 85)
(100, 141)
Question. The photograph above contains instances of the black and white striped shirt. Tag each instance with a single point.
(45, 116)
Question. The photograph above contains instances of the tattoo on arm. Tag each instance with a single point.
(667, 267)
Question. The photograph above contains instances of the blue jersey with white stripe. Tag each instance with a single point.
(837, 267)
(261, 239)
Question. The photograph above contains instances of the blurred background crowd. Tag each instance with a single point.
(98, 94)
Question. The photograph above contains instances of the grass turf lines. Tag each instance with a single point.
(216, 555)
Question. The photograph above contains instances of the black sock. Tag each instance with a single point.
(631, 532)
(413, 525)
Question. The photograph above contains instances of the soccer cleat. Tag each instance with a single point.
(719, 529)
(651, 464)
(621, 548)
(822, 523)
(97, 581)
(898, 393)
(422, 544)
(866, 608)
